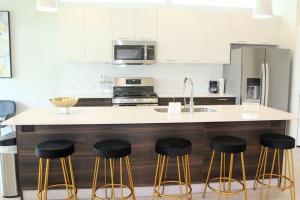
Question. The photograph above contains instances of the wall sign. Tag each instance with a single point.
(5, 48)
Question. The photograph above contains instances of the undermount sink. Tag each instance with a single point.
(165, 110)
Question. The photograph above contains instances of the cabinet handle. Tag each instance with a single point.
(72, 60)
(123, 38)
(222, 99)
(169, 60)
(242, 41)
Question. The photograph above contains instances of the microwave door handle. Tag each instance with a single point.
(266, 84)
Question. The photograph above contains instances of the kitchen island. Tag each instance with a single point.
(142, 127)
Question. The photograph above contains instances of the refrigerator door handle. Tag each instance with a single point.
(262, 78)
(266, 84)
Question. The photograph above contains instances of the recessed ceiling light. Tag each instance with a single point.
(47, 5)
(220, 3)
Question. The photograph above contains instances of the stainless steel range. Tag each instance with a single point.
(134, 92)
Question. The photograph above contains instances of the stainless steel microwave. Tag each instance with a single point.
(134, 52)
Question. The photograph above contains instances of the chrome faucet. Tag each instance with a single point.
(191, 104)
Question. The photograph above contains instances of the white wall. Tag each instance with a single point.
(38, 75)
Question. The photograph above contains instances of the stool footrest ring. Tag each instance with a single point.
(173, 183)
(60, 185)
(226, 192)
(116, 186)
(282, 177)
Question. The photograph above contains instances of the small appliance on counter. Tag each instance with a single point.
(213, 87)
(134, 92)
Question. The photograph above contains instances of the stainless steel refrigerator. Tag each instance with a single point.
(260, 75)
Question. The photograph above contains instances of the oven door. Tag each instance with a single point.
(129, 54)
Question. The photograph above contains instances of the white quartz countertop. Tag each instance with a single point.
(144, 114)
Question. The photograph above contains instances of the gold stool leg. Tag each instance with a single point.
(208, 174)
(165, 174)
(185, 167)
(105, 177)
(112, 178)
(293, 175)
(72, 178)
(179, 177)
(258, 167)
(221, 171)
(40, 180)
(96, 170)
(46, 178)
(264, 171)
(244, 176)
(271, 175)
(130, 177)
(230, 172)
(156, 175)
(224, 170)
(121, 178)
(161, 167)
(279, 168)
(65, 177)
(290, 169)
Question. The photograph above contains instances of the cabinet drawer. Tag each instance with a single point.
(86, 102)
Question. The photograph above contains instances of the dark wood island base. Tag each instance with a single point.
(143, 138)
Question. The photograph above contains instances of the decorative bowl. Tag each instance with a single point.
(64, 103)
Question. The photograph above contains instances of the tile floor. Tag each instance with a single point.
(252, 195)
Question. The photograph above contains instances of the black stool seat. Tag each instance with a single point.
(277, 141)
(54, 149)
(173, 147)
(228, 144)
(112, 148)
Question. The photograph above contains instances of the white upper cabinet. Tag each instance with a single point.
(145, 23)
(266, 31)
(98, 35)
(217, 42)
(247, 30)
(169, 28)
(123, 23)
(193, 36)
(72, 34)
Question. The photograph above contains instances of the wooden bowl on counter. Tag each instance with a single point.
(64, 103)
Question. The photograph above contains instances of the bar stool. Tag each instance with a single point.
(285, 175)
(227, 145)
(56, 149)
(111, 151)
(173, 148)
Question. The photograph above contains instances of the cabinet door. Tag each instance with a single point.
(266, 31)
(169, 35)
(123, 23)
(71, 34)
(247, 30)
(217, 46)
(193, 36)
(145, 26)
(98, 35)
(242, 28)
